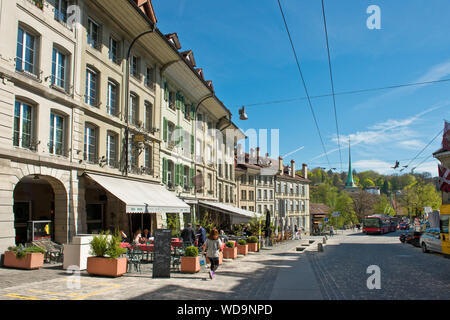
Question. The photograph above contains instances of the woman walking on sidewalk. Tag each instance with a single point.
(213, 246)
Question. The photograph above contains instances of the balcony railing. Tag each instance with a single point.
(37, 3)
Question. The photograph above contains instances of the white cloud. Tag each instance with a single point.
(392, 133)
(412, 144)
(435, 73)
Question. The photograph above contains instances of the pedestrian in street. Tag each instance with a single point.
(296, 232)
(331, 231)
(201, 235)
(188, 236)
(212, 247)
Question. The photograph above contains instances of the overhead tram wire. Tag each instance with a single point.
(421, 163)
(332, 82)
(440, 132)
(349, 92)
(303, 80)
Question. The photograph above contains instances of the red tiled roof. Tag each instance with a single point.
(147, 8)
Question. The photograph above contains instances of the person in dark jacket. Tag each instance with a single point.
(188, 235)
(201, 235)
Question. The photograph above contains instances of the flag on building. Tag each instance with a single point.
(446, 137)
(444, 179)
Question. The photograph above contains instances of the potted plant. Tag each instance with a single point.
(190, 262)
(252, 244)
(106, 262)
(24, 258)
(242, 247)
(230, 251)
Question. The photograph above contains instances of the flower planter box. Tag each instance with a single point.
(190, 264)
(243, 249)
(107, 267)
(230, 253)
(252, 247)
(220, 258)
(30, 262)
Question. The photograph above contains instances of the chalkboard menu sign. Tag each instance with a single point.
(161, 262)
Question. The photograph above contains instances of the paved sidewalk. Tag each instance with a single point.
(257, 276)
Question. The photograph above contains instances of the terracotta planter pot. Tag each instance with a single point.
(106, 266)
(30, 262)
(230, 253)
(190, 264)
(243, 249)
(220, 258)
(253, 247)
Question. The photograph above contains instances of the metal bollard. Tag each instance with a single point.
(320, 247)
(324, 240)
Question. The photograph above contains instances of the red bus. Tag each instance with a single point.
(376, 224)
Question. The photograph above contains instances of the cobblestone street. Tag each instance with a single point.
(281, 273)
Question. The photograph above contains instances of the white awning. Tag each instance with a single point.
(238, 215)
(141, 197)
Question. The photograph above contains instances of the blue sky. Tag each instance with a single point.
(243, 47)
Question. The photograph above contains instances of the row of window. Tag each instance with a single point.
(292, 205)
(291, 188)
(112, 101)
(260, 179)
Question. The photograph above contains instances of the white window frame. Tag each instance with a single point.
(55, 77)
(21, 123)
(111, 155)
(92, 22)
(23, 53)
(90, 74)
(53, 133)
(87, 146)
(110, 108)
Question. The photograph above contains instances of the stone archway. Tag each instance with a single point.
(59, 182)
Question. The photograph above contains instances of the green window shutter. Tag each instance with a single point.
(165, 129)
(192, 144)
(192, 112)
(176, 174)
(164, 177)
(166, 91)
(178, 102)
(191, 183)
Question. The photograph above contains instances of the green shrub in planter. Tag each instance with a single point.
(230, 244)
(102, 247)
(21, 251)
(191, 251)
(242, 242)
(252, 239)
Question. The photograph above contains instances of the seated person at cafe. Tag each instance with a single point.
(223, 237)
(146, 235)
(137, 236)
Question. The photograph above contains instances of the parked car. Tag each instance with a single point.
(431, 241)
(412, 237)
(403, 226)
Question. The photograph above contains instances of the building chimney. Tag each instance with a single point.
(293, 168)
(305, 171)
(257, 155)
(280, 166)
(252, 156)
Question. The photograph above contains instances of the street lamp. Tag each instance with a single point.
(127, 97)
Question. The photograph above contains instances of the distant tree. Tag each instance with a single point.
(383, 205)
(367, 183)
(363, 203)
(324, 193)
(337, 182)
(419, 195)
(344, 205)
(387, 187)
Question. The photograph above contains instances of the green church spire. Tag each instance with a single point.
(350, 182)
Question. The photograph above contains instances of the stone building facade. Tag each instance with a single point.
(63, 124)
